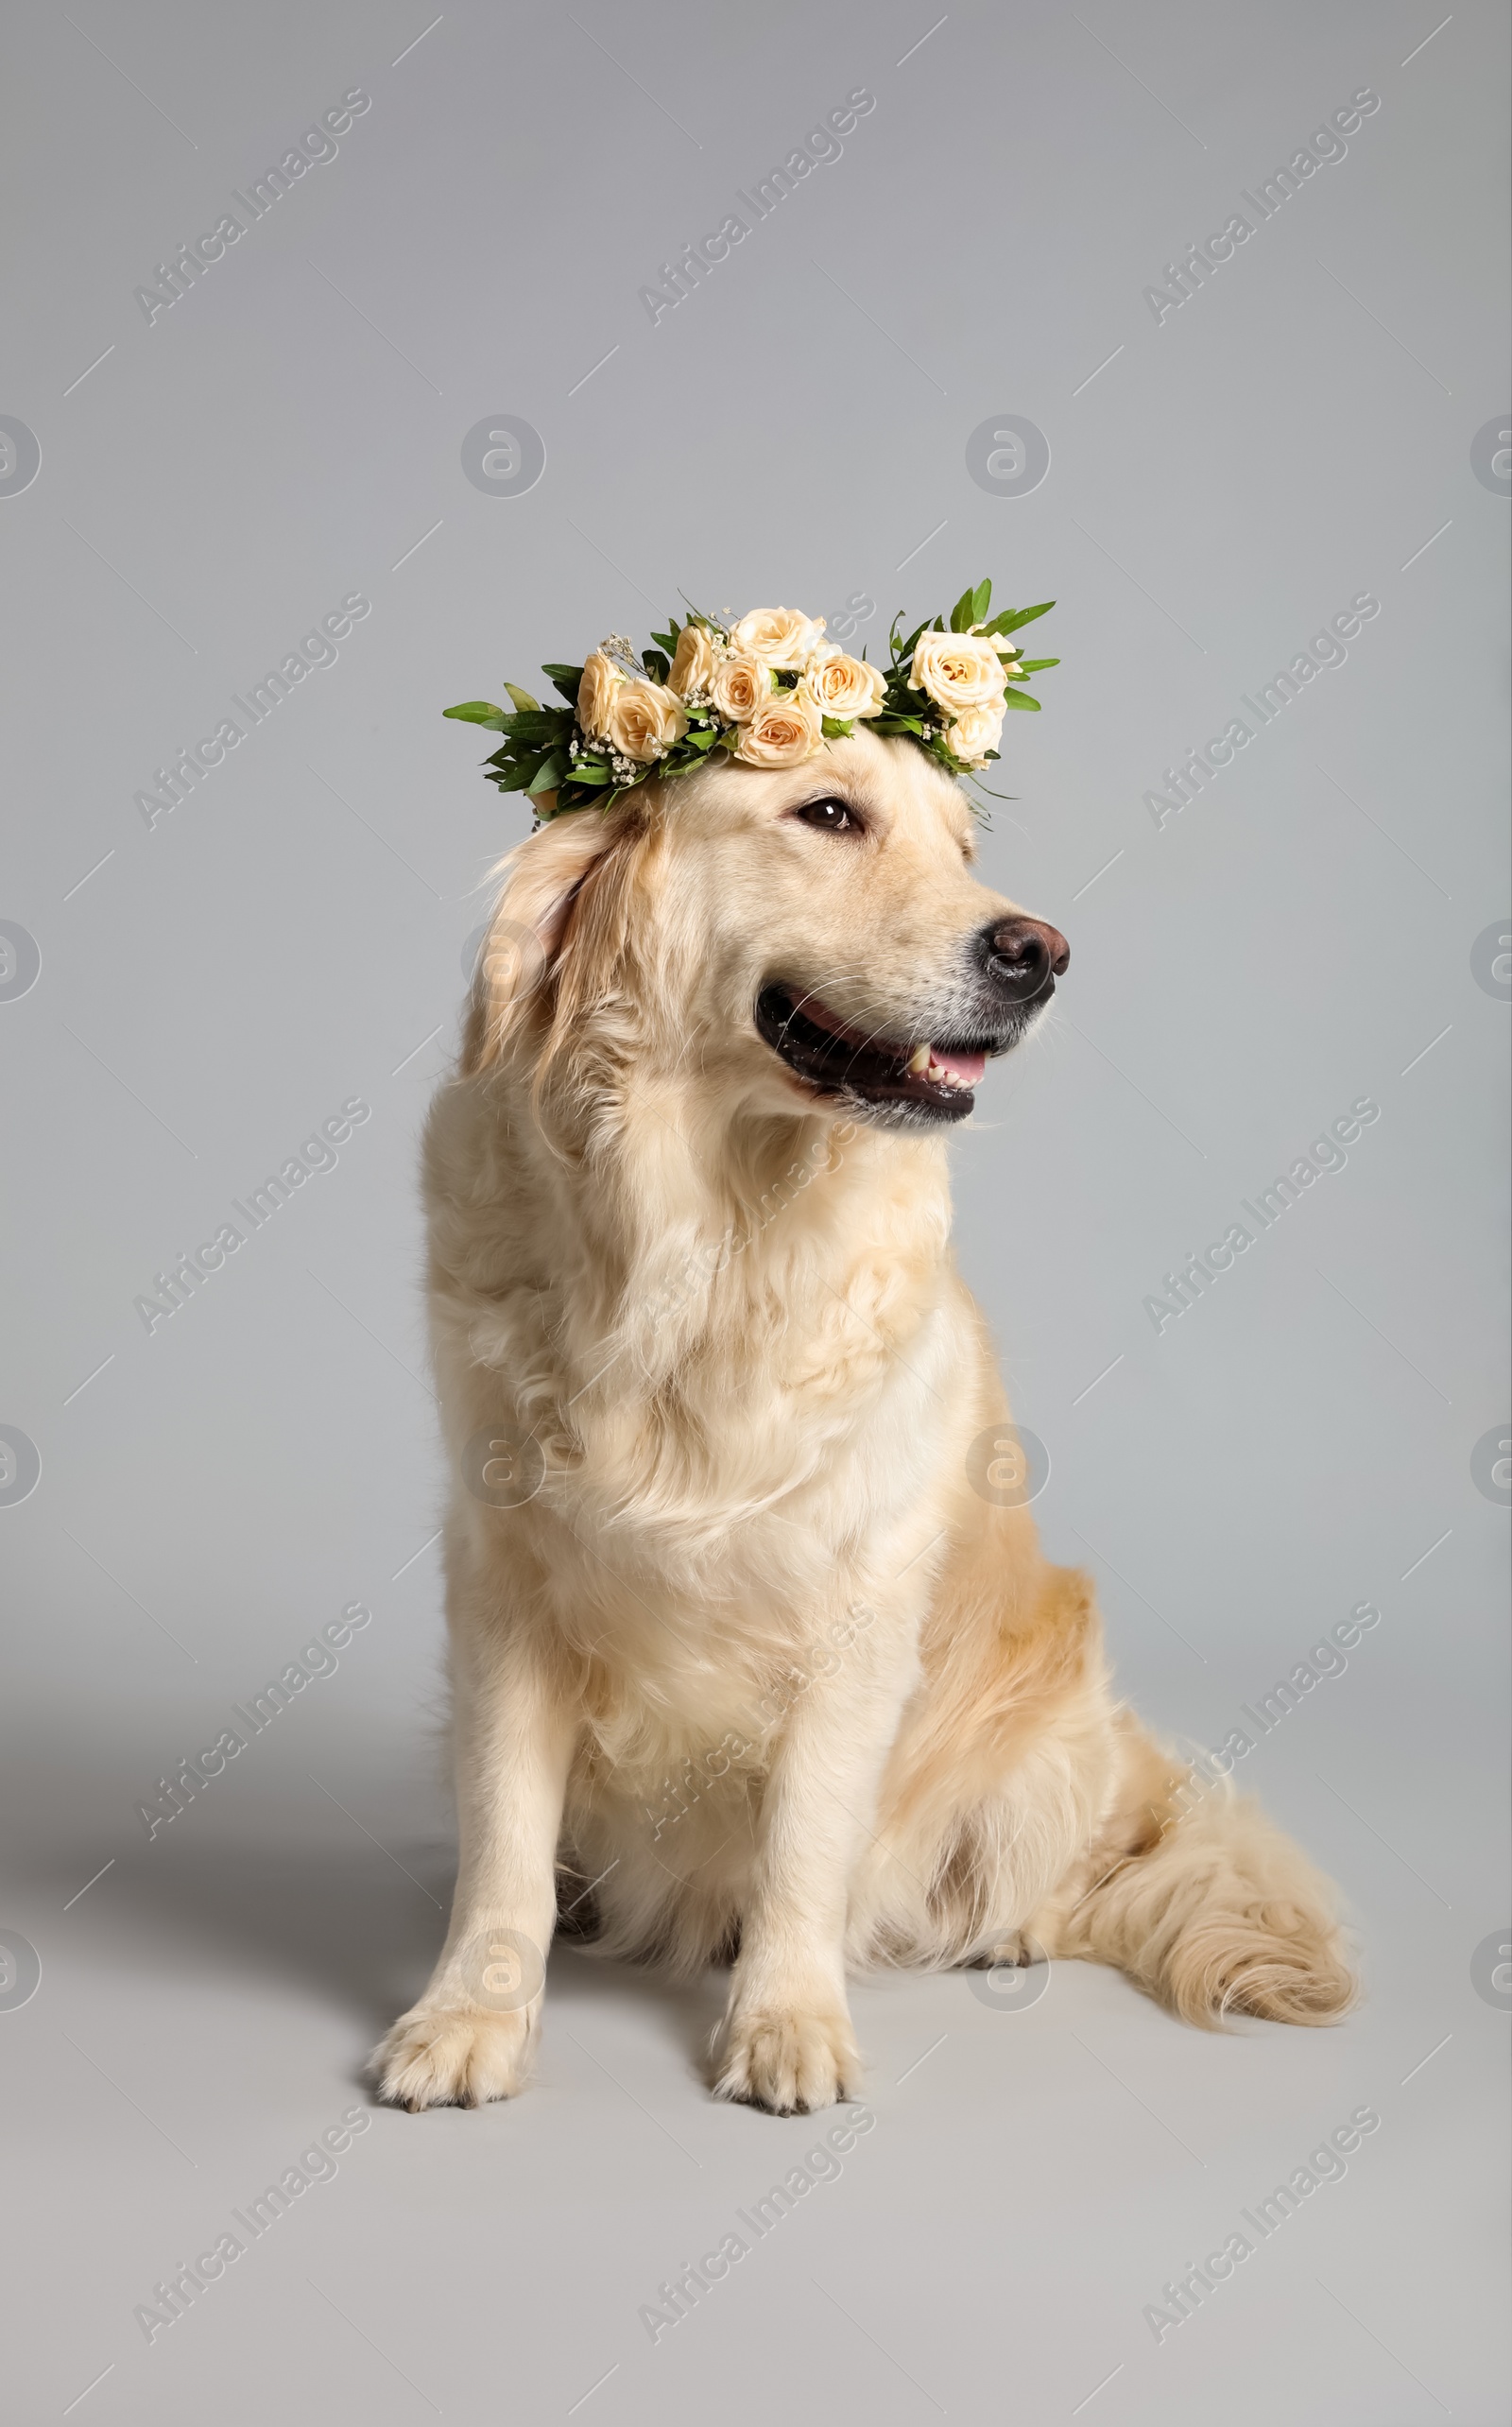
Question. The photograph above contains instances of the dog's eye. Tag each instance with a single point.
(832, 816)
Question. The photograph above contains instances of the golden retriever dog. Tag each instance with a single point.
(750, 1659)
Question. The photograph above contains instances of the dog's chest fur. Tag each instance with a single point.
(744, 1411)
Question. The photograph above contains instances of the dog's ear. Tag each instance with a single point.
(529, 926)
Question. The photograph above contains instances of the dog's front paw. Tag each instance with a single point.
(787, 2061)
(440, 2056)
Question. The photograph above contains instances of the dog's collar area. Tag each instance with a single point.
(937, 1080)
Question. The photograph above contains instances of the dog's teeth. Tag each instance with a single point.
(940, 1075)
(923, 1065)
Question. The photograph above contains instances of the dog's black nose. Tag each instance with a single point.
(1025, 957)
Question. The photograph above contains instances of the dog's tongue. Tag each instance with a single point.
(967, 1068)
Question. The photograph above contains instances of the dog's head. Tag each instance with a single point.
(808, 939)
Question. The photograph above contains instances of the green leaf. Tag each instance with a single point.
(961, 614)
(521, 699)
(1037, 665)
(542, 725)
(550, 772)
(982, 601)
(478, 711)
(1018, 700)
(1010, 622)
(514, 779)
(566, 679)
(838, 728)
(668, 640)
(658, 665)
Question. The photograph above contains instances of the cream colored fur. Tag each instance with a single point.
(754, 1658)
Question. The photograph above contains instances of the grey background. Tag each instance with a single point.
(212, 990)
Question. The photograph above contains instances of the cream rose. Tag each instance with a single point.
(644, 719)
(779, 637)
(976, 731)
(692, 668)
(786, 729)
(739, 686)
(595, 695)
(959, 670)
(844, 686)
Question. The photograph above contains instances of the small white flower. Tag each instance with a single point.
(693, 665)
(779, 637)
(595, 692)
(786, 729)
(844, 686)
(645, 719)
(976, 731)
(958, 670)
(740, 685)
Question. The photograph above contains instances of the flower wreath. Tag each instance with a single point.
(769, 690)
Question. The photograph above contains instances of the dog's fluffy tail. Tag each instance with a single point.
(1204, 1903)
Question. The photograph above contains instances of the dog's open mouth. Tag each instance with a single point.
(937, 1079)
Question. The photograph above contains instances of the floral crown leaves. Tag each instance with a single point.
(766, 689)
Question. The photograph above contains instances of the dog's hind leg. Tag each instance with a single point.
(1201, 1900)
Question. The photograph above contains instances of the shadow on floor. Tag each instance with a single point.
(359, 1931)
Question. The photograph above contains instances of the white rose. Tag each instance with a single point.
(976, 731)
(692, 668)
(644, 719)
(595, 695)
(1004, 648)
(844, 686)
(786, 729)
(959, 670)
(779, 636)
(739, 686)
